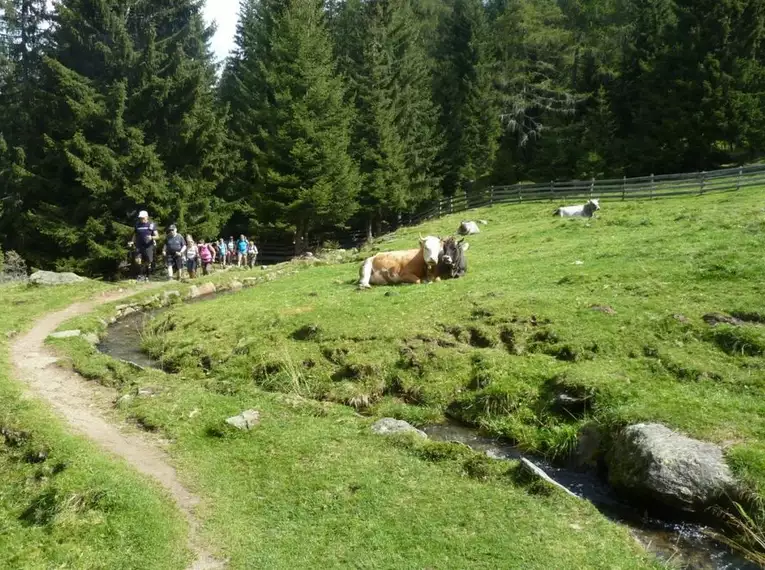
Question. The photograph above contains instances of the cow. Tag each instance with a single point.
(468, 229)
(406, 266)
(585, 210)
(452, 263)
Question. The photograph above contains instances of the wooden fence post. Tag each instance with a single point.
(552, 190)
(451, 204)
(491, 195)
(738, 179)
(624, 187)
(520, 199)
(439, 207)
(703, 181)
(653, 185)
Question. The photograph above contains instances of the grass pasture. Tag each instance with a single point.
(610, 310)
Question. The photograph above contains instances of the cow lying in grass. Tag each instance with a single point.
(413, 265)
(452, 262)
(585, 210)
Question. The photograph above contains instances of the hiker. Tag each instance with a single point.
(144, 243)
(222, 251)
(241, 251)
(175, 247)
(252, 254)
(192, 256)
(231, 250)
(206, 256)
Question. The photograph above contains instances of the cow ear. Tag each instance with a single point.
(465, 246)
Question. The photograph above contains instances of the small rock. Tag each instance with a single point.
(200, 290)
(112, 320)
(103, 323)
(193, 413)
(681, 319)
(11, 334)
(577, 262)
(250, 281)
(389, 426)
(235, 285)
(149, 391)
(245, 421)
(483, 222)
(53, 278)
(670, 468)
(714, 319)
(66, 334)
(128, 311)
(92, 338)
(392, 294)
(168, 296)
(124, 400)
(603, 309)
(589, 446)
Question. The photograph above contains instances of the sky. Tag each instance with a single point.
(224, 13)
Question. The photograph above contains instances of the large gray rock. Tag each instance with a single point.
(245, 421)
(653, 461)
(389, 426)
(53, 278)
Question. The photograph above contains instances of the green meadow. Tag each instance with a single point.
(609, 310)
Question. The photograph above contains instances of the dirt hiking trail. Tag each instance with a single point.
(82, 404)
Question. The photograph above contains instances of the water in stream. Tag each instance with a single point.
(684, 545)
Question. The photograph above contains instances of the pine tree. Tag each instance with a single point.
(465, 92)
(294, 128)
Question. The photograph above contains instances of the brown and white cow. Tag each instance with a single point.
(406, 266)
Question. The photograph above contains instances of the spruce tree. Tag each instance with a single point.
(130, 123)
(294, 128)
(464, 89)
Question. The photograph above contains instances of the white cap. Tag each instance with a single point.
(143, 214)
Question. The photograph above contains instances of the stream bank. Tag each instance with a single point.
(682, 542)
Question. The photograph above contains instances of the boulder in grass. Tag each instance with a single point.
(245, 421)
(201, 290)
(53, 278)
(674, 470)
(390, 426)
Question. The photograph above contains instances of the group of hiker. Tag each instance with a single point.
(183, 253)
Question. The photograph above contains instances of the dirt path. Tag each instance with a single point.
(77, 401)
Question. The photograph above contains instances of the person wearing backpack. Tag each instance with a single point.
(144, 244)
(174, 250)
(206, 256)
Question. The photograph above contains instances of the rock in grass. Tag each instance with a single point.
(670, 468)
(92, 338)
(235, 285)
(390, 426)
(714, 319)
(200, 290)
(53, 278)
(66, 334)
(245, 421)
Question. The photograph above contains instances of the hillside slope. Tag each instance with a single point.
(610, 309)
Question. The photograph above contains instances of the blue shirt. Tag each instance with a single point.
(242, 245)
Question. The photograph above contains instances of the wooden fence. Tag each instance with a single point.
(566, 193)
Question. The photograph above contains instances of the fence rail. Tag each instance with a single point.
(560, 192)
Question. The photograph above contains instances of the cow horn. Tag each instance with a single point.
(421, 238)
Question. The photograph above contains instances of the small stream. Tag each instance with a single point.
(682, 544)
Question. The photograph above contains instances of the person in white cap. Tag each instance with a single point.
(144, 243)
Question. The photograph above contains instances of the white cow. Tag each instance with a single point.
(585, 210)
